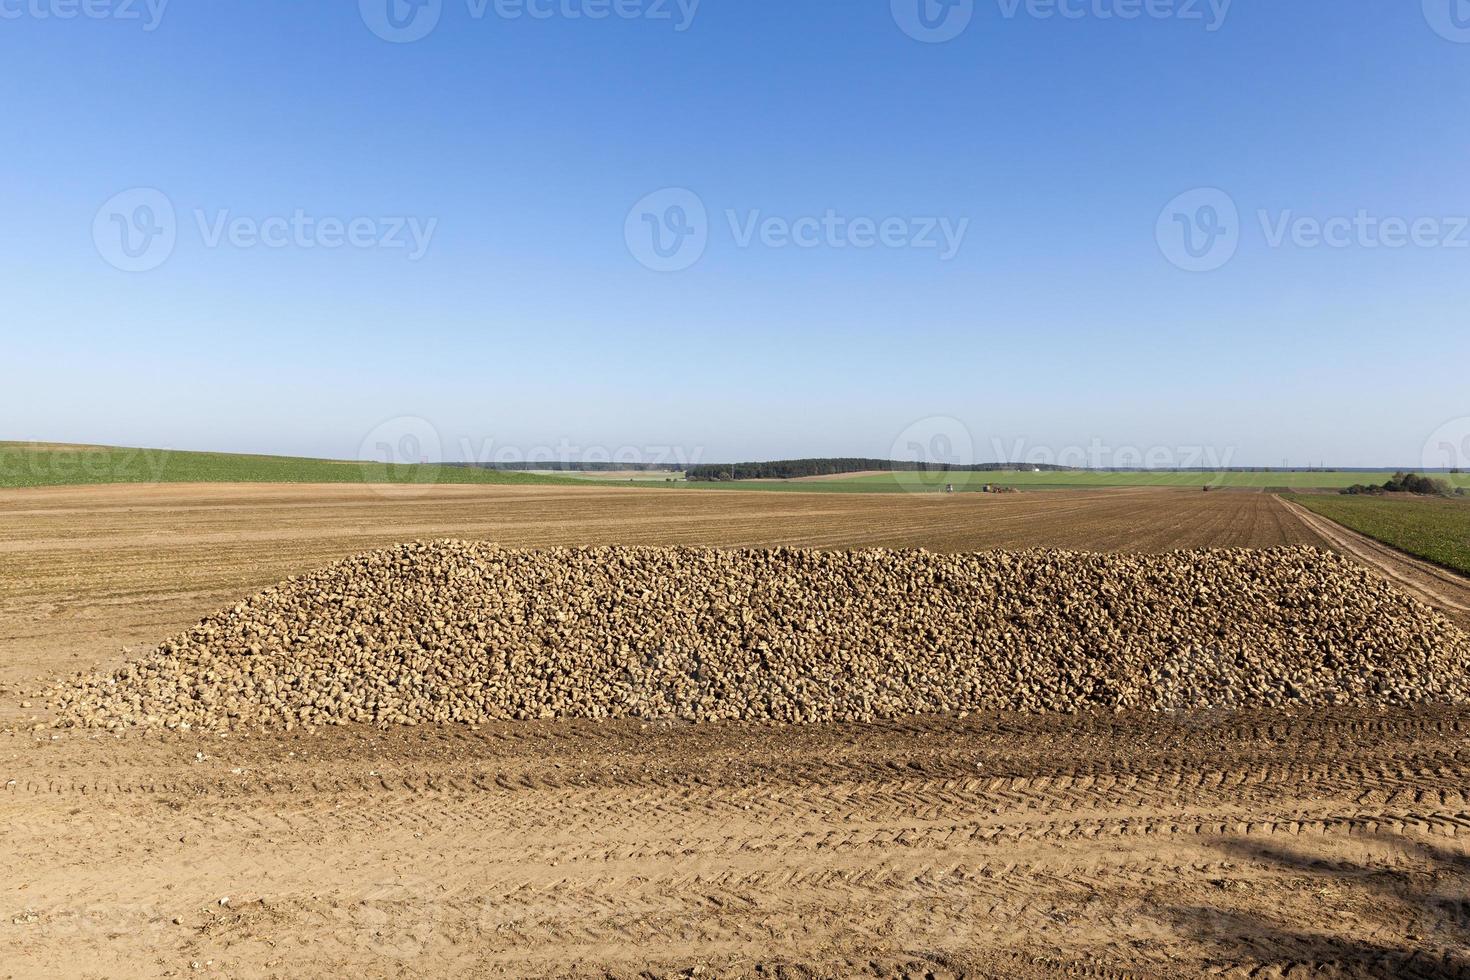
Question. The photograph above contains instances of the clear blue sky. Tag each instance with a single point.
(530, 321)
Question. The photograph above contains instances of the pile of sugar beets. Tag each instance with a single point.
(452, 631)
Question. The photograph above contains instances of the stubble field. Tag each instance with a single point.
(1325, 842)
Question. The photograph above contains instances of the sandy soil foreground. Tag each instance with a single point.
(1334, 844)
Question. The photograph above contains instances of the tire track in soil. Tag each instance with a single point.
(1325, 843)
(1003, 846)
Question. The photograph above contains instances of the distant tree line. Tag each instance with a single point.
(1401, 483)
(790, 469)
(573, 466)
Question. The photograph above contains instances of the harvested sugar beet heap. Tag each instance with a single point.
(457, 631)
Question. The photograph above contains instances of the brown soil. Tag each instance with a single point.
(1332, 844)
(1326, 843)
(85, 571)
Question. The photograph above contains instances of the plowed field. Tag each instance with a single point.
(85, 571)
(1264, 843)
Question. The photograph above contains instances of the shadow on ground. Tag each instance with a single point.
(1403, 913)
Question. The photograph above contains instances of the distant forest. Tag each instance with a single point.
(573, 466)
(789, 469)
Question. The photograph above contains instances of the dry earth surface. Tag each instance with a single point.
(85, 571)
(1332, 844)
(1328, 843)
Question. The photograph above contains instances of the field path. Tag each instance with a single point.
(1439, 587)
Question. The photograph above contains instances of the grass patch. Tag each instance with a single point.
(1436, 529)
(46, 465)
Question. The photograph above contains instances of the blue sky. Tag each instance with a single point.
(519, 147)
